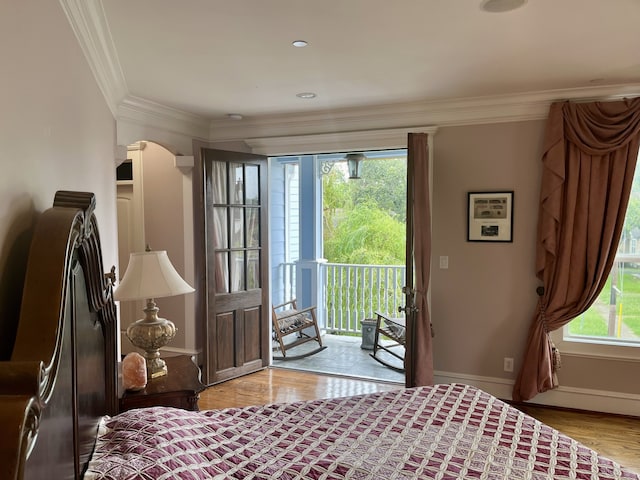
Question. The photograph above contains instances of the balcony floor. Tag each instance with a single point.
(343, 356)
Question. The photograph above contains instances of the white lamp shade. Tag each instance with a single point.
(150, 275)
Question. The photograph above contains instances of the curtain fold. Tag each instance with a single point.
(421, 355)
(589, 158)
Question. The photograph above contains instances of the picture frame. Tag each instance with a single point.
(490, 216)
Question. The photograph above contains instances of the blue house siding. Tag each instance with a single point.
(276, 229)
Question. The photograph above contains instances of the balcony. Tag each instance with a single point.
(343, 356)
(345, 295)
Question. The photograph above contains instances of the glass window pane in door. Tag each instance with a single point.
(237, 271)
(220, 228)
(253, 269)
(237, 227)
(222, 272)
(253, 227)
(219, 182)
(236, 184)
(252, 185)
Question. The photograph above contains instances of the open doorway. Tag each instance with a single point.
(338, 243)
(152, 212)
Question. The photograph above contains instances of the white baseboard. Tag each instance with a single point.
(567, 397)
(180, 351)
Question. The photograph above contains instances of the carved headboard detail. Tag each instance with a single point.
(67, 324)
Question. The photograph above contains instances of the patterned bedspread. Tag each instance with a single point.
(442, 432)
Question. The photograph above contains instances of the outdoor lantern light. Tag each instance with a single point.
(353, 164)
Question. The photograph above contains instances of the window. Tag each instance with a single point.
(613, 320)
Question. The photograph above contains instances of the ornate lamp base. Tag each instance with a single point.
(156, 367)
(150, 334)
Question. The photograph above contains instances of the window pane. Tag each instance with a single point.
(253, 227)
(222, 273)
(219, 179)
(615, 315)
(237, 227)
(252, 185)
(237, 271)
(220, 228)
(253, 269)
(236, 184)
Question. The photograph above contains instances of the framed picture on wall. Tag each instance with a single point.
(490, 216)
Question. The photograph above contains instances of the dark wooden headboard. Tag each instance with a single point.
(62, 375)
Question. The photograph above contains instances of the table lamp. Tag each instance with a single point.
(151, 275)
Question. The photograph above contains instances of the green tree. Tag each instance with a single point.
(383, 182)
(631, 227)
(368, 235)
(364, 219)
(336, 199)
(632, 218)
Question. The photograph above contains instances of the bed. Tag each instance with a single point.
(58, 404)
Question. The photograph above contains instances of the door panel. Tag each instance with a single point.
(225, 335)
(252, 334)
(234, 270)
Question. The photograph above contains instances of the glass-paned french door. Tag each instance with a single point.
(231, 262)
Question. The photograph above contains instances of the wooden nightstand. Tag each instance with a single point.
(180, 388)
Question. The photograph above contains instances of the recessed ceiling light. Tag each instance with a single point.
(499, 6)
(299, 43)
(306, 95)
(234, 116)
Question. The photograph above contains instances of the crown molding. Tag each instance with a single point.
(89, 24)
(145, 113)
(336, 141)
(452, 112)
(382, 126)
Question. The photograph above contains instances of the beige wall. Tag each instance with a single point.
(56, 132)
(164, 225)
(166, 192)
(483, 302)
(482, 305)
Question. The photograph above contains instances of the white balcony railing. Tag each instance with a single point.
(350, 293)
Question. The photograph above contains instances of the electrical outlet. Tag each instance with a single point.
(444, 262)
(508, 364)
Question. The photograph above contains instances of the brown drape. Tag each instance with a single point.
(421, 369)
(589, 159)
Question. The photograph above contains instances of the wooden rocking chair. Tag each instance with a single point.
(395, 329)
(287, 320)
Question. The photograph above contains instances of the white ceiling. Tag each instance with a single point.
(216, 57)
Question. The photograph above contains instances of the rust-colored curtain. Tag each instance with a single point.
(589, 159)
(420, 371)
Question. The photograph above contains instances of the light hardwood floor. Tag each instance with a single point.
(614, 436)
(278, 385)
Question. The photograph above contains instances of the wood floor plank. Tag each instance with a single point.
(277, 385)
(614, 436)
